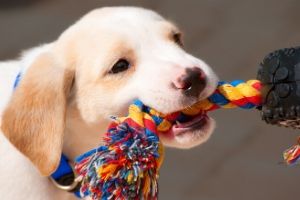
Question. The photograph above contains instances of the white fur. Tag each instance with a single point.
(161, 62)
(8, 73)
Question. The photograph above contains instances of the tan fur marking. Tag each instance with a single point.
(34, 120)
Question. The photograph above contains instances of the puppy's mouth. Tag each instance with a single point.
(197, 126)
(190, 125)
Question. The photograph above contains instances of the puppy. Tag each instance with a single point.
(69, 88)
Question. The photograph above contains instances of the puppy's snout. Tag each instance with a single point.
(192, 82)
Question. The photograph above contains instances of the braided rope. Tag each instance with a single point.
(237, 93)
(127, 166)
(230, 95)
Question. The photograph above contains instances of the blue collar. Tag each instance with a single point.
(64, 176)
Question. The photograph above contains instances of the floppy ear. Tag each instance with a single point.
(34, 120)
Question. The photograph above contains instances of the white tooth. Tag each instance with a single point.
(178, 123)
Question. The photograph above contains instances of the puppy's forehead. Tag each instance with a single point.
(125, 18)
(102, 31)
(122, 14)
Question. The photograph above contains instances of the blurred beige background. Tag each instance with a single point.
(241, 161)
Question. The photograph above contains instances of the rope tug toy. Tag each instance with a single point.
(127, 166)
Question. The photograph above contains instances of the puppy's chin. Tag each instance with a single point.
(187, 138)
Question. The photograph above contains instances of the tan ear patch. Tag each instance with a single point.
(34, 120)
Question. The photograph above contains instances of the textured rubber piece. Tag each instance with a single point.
(280, 75)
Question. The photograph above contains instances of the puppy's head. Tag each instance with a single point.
(96, 68)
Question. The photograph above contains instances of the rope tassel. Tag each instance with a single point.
(127, 166)
(292, 154)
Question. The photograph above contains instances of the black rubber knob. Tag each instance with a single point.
(280, 75)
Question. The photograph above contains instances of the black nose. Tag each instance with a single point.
(192, 82)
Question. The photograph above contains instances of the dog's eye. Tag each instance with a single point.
(177, 37)
(120, 66)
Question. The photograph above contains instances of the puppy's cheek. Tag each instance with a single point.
(123, 99)
(189, 139)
